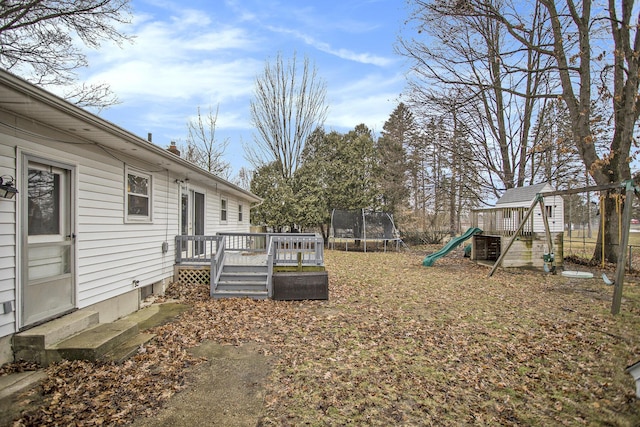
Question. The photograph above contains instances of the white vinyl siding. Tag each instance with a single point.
(110, 252)
(7, 244)
(126, 251)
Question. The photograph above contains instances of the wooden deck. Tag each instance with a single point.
(242, 264)
(245, 258)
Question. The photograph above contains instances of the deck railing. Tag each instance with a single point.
(216, 266)
(501, 221)
(287, 248)
(296, 249)
(196, 249)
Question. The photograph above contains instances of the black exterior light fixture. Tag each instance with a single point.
(7, 188)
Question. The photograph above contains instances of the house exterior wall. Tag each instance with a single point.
(111, 253)
(7, 245)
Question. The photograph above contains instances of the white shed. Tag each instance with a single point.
(96, 214)
(514, 200)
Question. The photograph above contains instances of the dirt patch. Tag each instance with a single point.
(226, 390)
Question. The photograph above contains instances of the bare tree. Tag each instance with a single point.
(243, 179)
(473, 59)
(612, 65)
(203, 148)
(37, 41)
(591, 50)
(289, 104)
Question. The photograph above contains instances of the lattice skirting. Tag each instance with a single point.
(199, 275)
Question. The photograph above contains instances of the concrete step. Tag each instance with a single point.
(156, 314)
(128, 348)
(93, 343)
(56, 330)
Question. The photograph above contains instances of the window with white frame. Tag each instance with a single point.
(223, 210)
(138, 201)
(240, 213)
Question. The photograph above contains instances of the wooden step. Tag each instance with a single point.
(244, 277)
(218, 294)
(245, 268)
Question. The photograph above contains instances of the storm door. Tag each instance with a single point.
(48, 285)
(192, 219)
(198, 220)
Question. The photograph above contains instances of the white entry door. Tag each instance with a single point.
(48, 285)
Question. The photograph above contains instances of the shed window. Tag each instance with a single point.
(240, 213)
(549, 211)
(138, 197)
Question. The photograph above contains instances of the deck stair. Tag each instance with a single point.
(80, 336)
(242, 281)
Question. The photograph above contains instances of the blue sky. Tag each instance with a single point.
(208, 53)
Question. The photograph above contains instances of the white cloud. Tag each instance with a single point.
(188, 58)
(182, 57)
(369, 100)
(363, 58)
(159, 80)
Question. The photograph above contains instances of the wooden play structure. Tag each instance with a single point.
(524, 223)
(514, 235)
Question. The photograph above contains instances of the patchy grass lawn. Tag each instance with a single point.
(396, 344)
(403, 344)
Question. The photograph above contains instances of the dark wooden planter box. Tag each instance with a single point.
(301, 285)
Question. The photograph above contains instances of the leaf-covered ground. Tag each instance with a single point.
(396, 344)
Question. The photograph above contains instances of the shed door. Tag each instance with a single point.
(48, 285)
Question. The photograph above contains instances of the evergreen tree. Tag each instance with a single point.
(397, 133)
(337, 171)
(278, 208)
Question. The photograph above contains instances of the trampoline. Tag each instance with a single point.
(361, 228)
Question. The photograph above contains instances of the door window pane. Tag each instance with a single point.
(184, 226)
(44, 203)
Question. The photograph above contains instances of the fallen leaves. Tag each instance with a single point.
(397, 343)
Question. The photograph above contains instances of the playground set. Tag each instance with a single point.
(492, 230)
(511, 225)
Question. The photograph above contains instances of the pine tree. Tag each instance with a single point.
(397, 133)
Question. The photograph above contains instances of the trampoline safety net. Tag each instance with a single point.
(362, 225)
